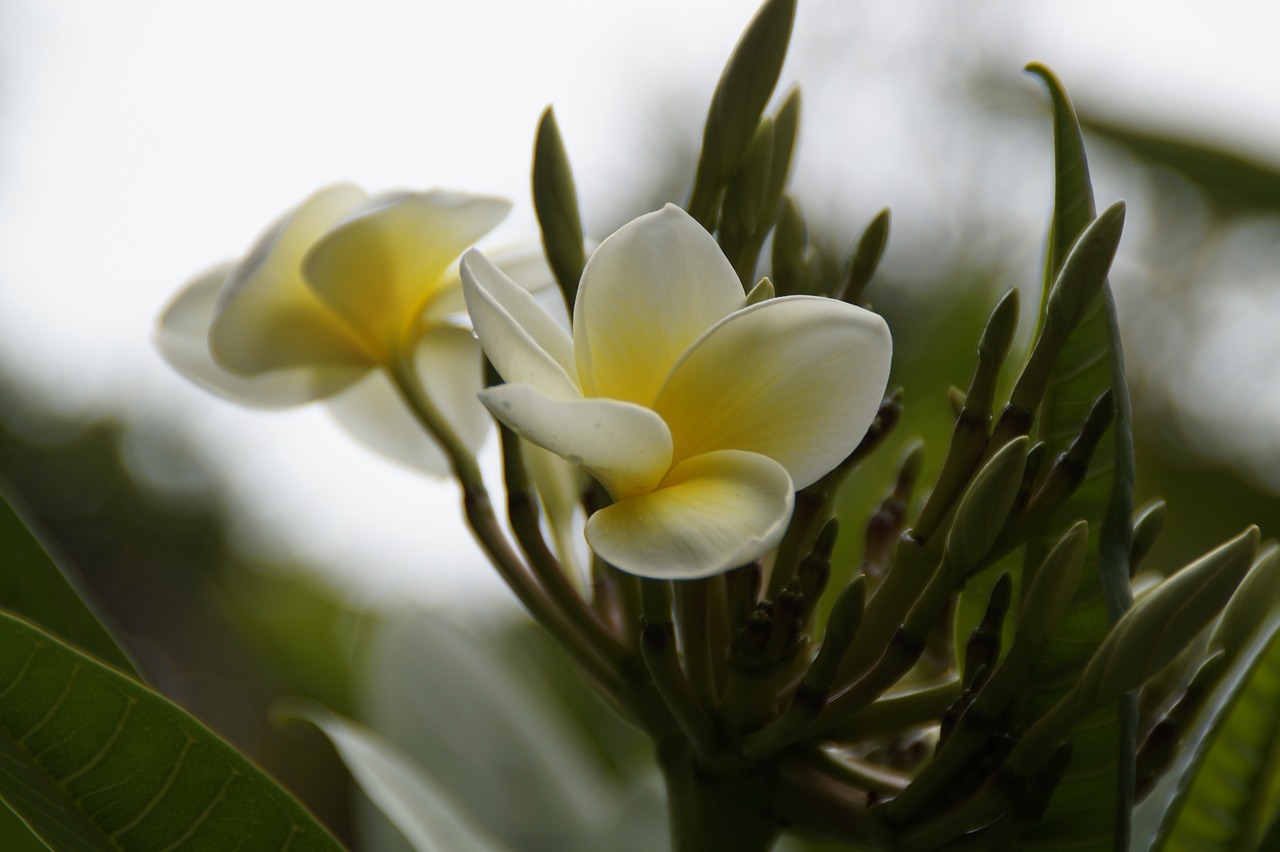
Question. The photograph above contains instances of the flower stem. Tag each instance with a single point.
(489, 534)
(522, 512)
(709, 814)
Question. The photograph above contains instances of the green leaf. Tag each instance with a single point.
(93, 760)
(1236, 792)
(555, 199)
(1229, 767)
(34, 584)
(1090, 808)
(738, 102)
(14, 834)
(428, 816)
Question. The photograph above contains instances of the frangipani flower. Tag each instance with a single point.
(700, 415)
(341, 293)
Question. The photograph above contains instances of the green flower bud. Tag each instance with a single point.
(865, 259)
(790, 241)
(1082, 276)
(1257, 597)
(1147, 523)
(1052, 589)
(739, 100)
(985, 506)
(1155, 629)
(555, 200)
(746, 204)
(763, 290)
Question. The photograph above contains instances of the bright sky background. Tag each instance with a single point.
(142, 140)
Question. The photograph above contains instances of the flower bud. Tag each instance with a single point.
(1249, 607)
(984, 508)
(1155, 629)
(1054, 585)
(555, 199)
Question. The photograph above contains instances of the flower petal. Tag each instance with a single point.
(449, 364)
(379, 267)
(798, 379)
(713, 512)
(524, 342)
(182, 336)
(648, 292)
(526, 265)
(625, 446)
(267, 318)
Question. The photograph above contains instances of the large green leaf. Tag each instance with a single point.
(1090, 808)
(93, 760)
(33, 584)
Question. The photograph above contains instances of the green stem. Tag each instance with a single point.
(710, 814)
(489, 534)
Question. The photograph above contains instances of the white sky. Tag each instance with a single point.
(142, 140)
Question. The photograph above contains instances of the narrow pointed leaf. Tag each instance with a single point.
(35, 585)
(1090, 808)
(93, 760)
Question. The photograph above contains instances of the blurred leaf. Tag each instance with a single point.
(426, 815)
(455, 704)
(1234, 183)
(273, 607)
(93, 760)
(34, 585)
(1230, 762)
(1090, 808)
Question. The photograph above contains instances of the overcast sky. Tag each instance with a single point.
(142, 140)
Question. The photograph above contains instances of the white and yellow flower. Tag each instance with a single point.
(330, 301)
(700, 415)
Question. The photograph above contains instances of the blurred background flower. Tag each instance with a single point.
(141, 141)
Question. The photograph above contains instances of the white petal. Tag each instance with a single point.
(648, 292)
(380, 266)
(798, 379)
(526, 265)
(713, 512)
(182, 336)
(524, 342)
(267, 318)
(448, 363)
(625, 446)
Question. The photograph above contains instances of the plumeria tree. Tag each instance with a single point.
(984, 677)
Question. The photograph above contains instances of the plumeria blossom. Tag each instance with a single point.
(335, 298)
(699, 414)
